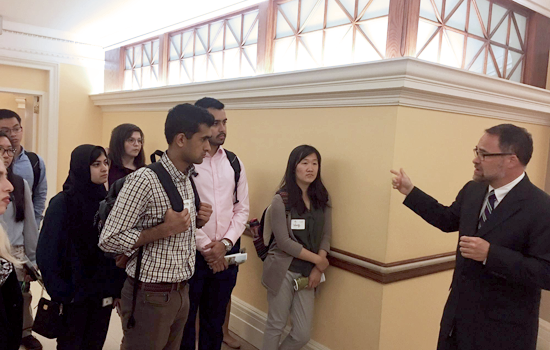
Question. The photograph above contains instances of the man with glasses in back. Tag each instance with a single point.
(30, 167)
(503, 255)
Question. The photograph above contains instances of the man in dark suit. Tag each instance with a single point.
(503, 254)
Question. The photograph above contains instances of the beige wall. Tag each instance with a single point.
(435, 150)
(7, 101)
(79, 120)
(23, 78)
(359, 146)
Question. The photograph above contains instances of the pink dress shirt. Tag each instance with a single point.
(216, 184)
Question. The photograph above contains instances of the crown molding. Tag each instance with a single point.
(540, 6)
(36, 47)
(397, 82)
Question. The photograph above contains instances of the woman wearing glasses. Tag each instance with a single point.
(20, 225)
(125, 151)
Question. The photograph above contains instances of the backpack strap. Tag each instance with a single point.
(35, 164)
(169, 187)
(167, 177)
(236, 165)
(132, 321)
(154, 155)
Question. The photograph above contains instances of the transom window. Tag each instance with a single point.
(142, 66)
(223, 49)
(477, 35)
(482, 36)
(318, 33)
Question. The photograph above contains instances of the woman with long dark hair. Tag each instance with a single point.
(76, 273)
(125, 151)
(302, 227)
(20, 226)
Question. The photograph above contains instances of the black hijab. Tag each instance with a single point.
(82, 197)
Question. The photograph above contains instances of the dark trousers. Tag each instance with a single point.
(209, 293)
(87, 325)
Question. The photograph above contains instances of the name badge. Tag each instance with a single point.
(187, 205)
(107, 301)
(298, 224)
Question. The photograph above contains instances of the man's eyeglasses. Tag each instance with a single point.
(481, 155)
(15, 130)
(9, 151)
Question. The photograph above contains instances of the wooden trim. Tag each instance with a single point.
(114, 65)
(214, 20)
(393, 264)
(396, 23)
(164, 55)
(511, 5)
(410, 29)
(266, 34)
(385, 278)
(345, 261)
(538, 46)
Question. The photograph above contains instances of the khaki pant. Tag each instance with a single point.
(299, 305)
(19, 253)
(160, 318)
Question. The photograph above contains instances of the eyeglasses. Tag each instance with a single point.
(15, 130)
(133, 140)
(481, 155)
(9, 151)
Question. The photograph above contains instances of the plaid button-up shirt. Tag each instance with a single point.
(142, 204)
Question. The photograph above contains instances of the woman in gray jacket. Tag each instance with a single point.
(302, 227)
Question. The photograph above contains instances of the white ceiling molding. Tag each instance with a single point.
(397, 82)
(32, 46)
(540, 6)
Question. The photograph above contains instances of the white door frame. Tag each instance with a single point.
(48, 129)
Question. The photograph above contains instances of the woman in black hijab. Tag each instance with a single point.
(75, 271)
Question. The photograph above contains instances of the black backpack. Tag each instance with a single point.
(259, 241)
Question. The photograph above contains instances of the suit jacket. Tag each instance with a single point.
(494, 306)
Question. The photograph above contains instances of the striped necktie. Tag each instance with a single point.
(489, 207)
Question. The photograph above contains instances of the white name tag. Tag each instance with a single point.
(107, 301)
(187, 205)
(298, 224)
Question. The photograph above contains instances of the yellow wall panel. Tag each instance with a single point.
(435, 149)
(411, 312)
(80, 121)
(23, 78)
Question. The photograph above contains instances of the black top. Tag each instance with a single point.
(72, 265)
(310, 237)
(11, 314)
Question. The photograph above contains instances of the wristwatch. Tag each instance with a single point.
(228, 245)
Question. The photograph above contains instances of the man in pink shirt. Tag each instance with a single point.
(221, 182)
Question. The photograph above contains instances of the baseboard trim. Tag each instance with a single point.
(249, 323)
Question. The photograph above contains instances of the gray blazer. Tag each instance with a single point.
(285, 246)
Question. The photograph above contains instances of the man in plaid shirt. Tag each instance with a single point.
(142, 216)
